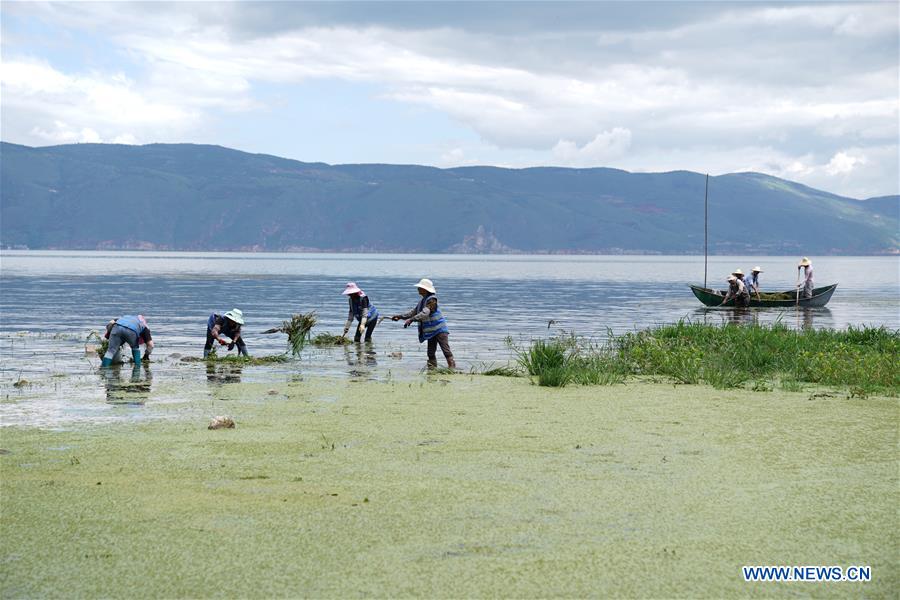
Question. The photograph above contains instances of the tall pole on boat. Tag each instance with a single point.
(705, 229)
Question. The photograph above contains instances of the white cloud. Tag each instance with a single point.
(843, 163)
(784, 90)
(605, 147)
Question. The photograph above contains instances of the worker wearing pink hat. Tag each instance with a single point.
(362, 310)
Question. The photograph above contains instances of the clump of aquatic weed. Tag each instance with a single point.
(298, 329)
(238, 360)
(327, 339)
(501, 371)
(565, 359)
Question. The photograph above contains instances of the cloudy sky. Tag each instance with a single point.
(805, 91)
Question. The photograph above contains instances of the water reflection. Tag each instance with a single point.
(127, 386)
(797, 318)
(220, 373)
(361, 357)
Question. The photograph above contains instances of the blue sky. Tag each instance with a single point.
(804, 91)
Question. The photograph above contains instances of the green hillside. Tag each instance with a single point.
(194, 197)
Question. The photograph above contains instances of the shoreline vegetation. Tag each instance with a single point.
(761, 357)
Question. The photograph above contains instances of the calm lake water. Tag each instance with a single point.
(50, 301)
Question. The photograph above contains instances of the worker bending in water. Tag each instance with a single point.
(220, 327)
(805, 283)
(432, 325)
(131, 330)
(362, 310)
(738, 291)
(751, 282)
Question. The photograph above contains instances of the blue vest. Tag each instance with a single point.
(357, 311)
(131, 322)
(435, 324)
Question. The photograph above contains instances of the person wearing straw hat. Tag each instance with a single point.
(221, 327)
(738, 291)
(805, 282)
(362, 310)
(131, 330)
(432, 325)
(751, 282)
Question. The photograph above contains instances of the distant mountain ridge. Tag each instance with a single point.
(197, 197)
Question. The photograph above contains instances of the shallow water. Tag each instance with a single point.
(50, 301)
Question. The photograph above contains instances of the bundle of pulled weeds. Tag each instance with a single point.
(102, 344)
(298, 329)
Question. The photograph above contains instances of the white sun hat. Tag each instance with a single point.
(427, 285)
(737, 272)
(235, 315)
(731, 278)
(805, 262)
(351, 288)
(756, 270)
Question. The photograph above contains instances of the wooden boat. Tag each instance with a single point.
(820, 298)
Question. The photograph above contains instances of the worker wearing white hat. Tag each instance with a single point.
(432, 325)
(751, 281)
(221, 327)
(738, 291)
(805, 282)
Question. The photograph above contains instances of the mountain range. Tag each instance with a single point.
(200, 197)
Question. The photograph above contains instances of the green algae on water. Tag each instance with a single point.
(488, 487)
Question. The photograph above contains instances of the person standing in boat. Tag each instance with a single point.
(362, 310)
(432, 325)
(131, 330)
(738, 291)
(220, 327)
(805, 284)
(751, 282)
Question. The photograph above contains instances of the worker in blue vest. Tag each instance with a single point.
(221, 327)
(432, 325)
(362, 310)
(131, 330)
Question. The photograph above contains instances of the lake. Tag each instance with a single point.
(51, 301)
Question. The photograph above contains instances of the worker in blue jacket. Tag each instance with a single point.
(131, 330)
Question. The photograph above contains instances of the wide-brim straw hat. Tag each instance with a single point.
(235, 315)
(427, 285)
(805, 262)
(737, 272)
(351, 288)
(731, 278)
(756, 270)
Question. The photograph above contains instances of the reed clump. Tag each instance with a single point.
(726, 356)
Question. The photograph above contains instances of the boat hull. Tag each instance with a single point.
(820, 298)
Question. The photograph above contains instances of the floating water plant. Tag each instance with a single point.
(298, 329)
(238, 360)
(327, 339)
